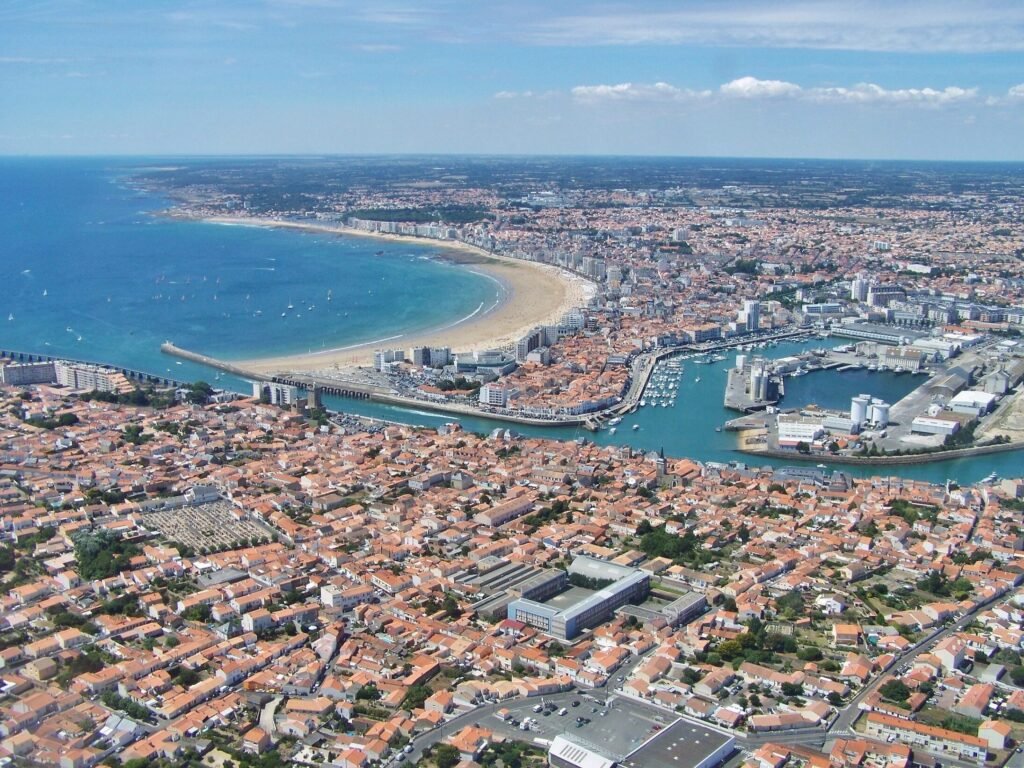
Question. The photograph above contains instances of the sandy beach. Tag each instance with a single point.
(534, 294)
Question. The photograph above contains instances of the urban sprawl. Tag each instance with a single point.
(196, 577)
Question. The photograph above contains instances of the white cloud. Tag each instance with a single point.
(1016, 92)
(752, 88)
(635, 92)
(379, 48)
(513, 94)
(32, 60)
(865, 93)
(862, 25)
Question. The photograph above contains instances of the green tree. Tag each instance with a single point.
(415, 696)
(895, 690)
(446, 756)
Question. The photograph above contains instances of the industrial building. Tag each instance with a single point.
(565, 621)
(681, 744)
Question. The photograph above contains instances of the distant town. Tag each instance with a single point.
(926, 282)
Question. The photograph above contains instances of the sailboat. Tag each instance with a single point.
(45, 293)
(10, 316)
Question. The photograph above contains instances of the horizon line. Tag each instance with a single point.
(546, 155)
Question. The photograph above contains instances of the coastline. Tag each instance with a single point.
(532, 294)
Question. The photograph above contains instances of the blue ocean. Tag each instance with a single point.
(90, 270)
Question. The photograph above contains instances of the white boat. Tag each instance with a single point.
(10, 316)
(642, 402)
(696, 380)
(614, 421)
(636, 427)
(45, 293)
(613, 430)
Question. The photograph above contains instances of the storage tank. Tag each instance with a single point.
(880, 413)
(756, 382)
(859, 410)
(741, 361)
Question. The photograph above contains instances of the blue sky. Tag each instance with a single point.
(935, 79)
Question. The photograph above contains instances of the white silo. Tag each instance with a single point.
(880, 413)
(859, 409)
(756, 382)
(741, 362)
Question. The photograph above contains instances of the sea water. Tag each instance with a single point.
(92, 271)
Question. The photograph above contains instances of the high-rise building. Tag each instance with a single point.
(884, 295)
(90, 377)
(275, 394)
(440, 356)
(419, 356)
(859, 289)
(752, 314)
(20, 374)
(382, 357)
(531, 341)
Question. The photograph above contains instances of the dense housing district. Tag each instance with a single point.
(218, 581)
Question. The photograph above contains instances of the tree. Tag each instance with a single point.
(368, 692)
(895, 690)
(451, 607)
(199, 392)
(415, 696)
(6, 559)
(102, 554)
(792, 689)
(446, 756)
(803, 448)
(809, 653)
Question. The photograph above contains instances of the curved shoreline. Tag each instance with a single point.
(530, 298)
